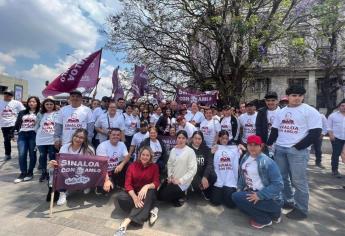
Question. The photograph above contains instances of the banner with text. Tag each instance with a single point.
(189, 96)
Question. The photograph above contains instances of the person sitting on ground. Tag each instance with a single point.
(182, 167)
(118, 157)
(79, 145)
(225, 163)
(142, 181)
(260, 186)
(205, 176)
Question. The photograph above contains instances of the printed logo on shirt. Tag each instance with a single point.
(248, 180)
(201, 160)
(28, 122)
(113, 161)
(133, 124)
(205, 130)
(73, 122)
(7, 112)
(288, 124)
(225, 162)
(270, 122)
(48, 125)
(156, 156)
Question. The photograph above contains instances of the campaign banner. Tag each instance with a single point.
(78, 172)
(169, 141)
(140, 80)
(190, 96)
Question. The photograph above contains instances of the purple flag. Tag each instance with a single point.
(139, 85)
(117, 88)
(189, 96)
(78, 172)
(87, 69)
(158, 95)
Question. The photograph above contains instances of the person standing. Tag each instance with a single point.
(186, 126)
(247, 122)
(73, 117)
(265, 118)
(230, 123)
(294, 129)
(9, 109)
(317, 145)
(137, 139)
(336, 131)
(210, 128)
(132, 124)
(195, 117)
(25, 126)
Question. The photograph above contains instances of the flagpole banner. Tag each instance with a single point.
(117, 91)
(140, 80)
(189, 96)
(78, 172)
(87, 68)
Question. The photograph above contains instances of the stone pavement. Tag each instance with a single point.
(25, 212)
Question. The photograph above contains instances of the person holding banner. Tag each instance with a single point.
(73, 117)
(78, 145)
(132, 124)
(118, 157)
(25, 126)
(142, 181)
(111, 119)
(195, 117)
(182, 167)
(45, 135)
(210, 128)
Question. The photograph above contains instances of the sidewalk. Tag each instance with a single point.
(25, 212)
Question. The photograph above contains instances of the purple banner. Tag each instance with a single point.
(170, 142)
(78, 172)
(140, 80)
(189, 96)
(117, 88)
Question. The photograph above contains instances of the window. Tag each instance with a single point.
(260, 85)
(297, 81)
(320, 98)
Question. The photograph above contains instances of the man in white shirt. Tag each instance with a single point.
(186, 126)
(336, 131)
(247, 122)
(121, 105)
(294, 129)
(71, 118)
(317, 145)
(9, 110)
(195, 117)
(138, 138)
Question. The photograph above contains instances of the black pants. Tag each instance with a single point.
(223, 196)
(137, 215)
(212, 178)
(128, 140)
(317, 148)
(170, 192)
(7, 133)
(337, 146)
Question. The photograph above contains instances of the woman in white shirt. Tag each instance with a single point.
(25, 126)
(182, 167)
(79, 145)
(45, 135)
(132, 124)
(225, 163)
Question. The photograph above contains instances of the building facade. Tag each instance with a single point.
(19, 87)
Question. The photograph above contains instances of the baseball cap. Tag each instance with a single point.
(226, 107)
(284, 98)
(254, 139)
(179, 118)
(250, 104)
(271, 95)
(77, 92)
(9, 92)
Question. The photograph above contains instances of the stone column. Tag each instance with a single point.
(312, 89)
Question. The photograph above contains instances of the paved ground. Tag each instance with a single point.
(25, 212)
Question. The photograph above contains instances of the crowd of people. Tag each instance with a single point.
(251, 158)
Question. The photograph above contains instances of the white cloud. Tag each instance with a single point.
(7, 59)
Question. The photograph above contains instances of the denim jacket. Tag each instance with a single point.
(270, 177)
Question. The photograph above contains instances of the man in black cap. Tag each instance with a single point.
(9, 110)
(247, 122)
(266, 116)
(71, 118)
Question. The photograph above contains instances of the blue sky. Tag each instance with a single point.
(42, 38)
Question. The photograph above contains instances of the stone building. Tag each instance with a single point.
(19, 86)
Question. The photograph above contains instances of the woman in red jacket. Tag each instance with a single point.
(141, 183)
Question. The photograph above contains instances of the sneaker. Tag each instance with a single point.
(20, 178)
(320, 166)
(288, 205)
(28, 177)
(207, 198)
(296, 214)
(7, 157)
(336, 174)
(87, 191)
(153, 215)
(42, 177)
(259, 226)
(277, 220)
(120, 232)
(180, 202)
(62, 199)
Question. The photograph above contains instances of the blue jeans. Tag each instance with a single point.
(262, 212)
(27, 143)
(293, 168)
(45, 151)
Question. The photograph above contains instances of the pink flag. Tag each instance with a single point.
(82, 74)
(117, 88)
(139, 85)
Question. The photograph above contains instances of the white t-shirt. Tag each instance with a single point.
(154, 118)
(66, 148)
(270, 118)
(209, 129)
(189, 128)
(198, 117)
(29, 122)
(225, 164)
(97, 112)
(251, 174)
(225, 124)
(45, 132)
(293, 124)
(136, 141)
(247, 123)
(9, 112)
(157, 150)
(73, 118)
(107, 122)
(336, 124)
(131, 124)
(115, 154)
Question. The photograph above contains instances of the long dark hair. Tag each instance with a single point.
(203, 143)
(27, 110)
(85, 147)
(222, 133)
(43, 108)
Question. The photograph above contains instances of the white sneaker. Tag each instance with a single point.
(19, 179)
(153, 215)
(87, 191)
(62, 199)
